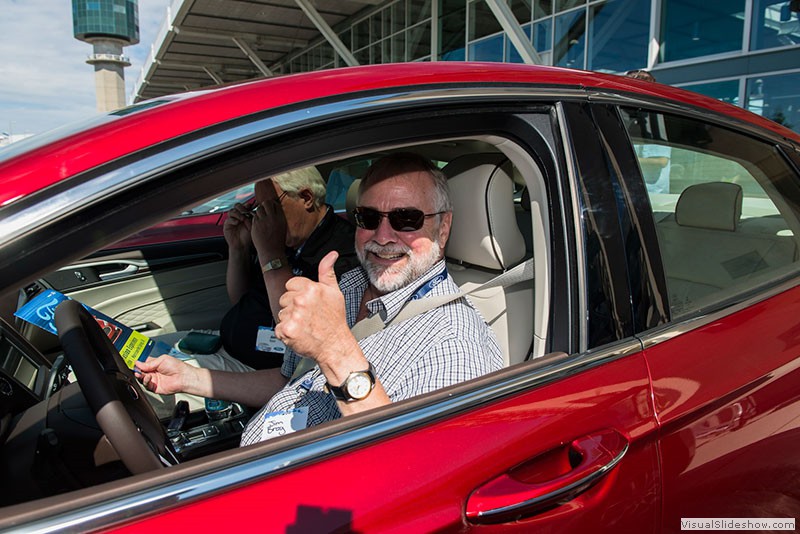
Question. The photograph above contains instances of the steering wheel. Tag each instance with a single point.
(113, 393)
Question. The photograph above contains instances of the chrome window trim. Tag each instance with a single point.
(159, 499)
(580, 238)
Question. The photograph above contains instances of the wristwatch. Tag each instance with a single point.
(272, 264)
(357, 386)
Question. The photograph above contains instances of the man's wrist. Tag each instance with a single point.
(273, 264)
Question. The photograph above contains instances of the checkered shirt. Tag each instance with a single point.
(438, 348)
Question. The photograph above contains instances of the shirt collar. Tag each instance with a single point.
(390, 304)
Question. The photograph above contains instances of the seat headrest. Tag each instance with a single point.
(713, 205)
(485, 231)
(351, 200)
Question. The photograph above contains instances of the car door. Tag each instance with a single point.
(565, 442)
(723, 249)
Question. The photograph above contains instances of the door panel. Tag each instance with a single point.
(421, 481)
(192, 297)
(154, 289)
(728, 397)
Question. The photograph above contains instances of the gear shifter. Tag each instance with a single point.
(178, 417)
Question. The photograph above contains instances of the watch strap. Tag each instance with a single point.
(340, 393)
(276, 263)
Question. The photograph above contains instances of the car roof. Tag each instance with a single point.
(42, 161)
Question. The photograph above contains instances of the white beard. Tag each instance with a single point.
(388, 279)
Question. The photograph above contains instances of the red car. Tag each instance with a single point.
(653, 360)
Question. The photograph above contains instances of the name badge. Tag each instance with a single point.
(284, 422)
(267, 342)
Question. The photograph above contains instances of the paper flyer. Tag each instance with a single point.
(132, 345)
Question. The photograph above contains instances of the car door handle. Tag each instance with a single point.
(550, 479)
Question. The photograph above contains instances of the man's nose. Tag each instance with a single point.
(384, 233)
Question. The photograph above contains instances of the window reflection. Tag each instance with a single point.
(570, 39)
(716, 26)
(774, 24)
(490, 49)
(619, 30)
(726, 91)
(776, 98)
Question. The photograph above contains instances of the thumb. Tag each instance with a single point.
(327, 276)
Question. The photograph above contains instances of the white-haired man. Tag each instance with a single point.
(287, 234)
(403, 221)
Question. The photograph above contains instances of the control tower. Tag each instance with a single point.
(108, 25)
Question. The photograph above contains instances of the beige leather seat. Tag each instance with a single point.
(485, 241)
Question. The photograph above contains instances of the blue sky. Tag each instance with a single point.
(45, 81)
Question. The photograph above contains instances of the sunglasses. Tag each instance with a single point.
(402, 220)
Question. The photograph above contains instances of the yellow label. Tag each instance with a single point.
(133, 348)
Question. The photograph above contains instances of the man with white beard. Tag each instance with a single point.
(403, 221)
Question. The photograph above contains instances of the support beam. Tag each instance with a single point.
(214, 75)
(327, 32)
(514, 31)
(253, 57)
(227, 36)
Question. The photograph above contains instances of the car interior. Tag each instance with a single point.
(500, 221)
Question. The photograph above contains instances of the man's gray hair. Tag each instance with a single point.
(296, 180)
(408, 162)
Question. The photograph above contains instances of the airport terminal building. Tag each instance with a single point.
(746, 52)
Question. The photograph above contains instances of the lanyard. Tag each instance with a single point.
(429, 285)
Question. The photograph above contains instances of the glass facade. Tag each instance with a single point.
(675, 39)
(692, 29)
(106, 18)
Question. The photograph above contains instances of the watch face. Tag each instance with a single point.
(358, 386)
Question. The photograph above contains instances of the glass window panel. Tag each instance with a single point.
(362, 56)
(361, 34)
(542, 8)
(774, 24)
(386, 50)
(419, 41)
(570, 39)
(375, 25)
(345, 37)
(710, 170)
(543, 35)
(399, 16)
(727, 91)
(377, 56)
(490, 49)
(453, 31)
(777, 98)
(418, 10)
(512, 56)
(521, 9)
(399, 47)
(387, 22)
(694, 29)
(482, 21)
(619, 32)
(563, 5)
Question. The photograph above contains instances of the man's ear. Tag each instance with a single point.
(307, 197)
(444, 227)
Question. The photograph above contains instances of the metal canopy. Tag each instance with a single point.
(210, 42)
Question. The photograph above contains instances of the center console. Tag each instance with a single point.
(197, 435)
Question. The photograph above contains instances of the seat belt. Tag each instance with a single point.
(371, 325)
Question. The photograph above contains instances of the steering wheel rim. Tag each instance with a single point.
(112, 392)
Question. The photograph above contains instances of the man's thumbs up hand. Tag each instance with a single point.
(327, 275)
(312, 319)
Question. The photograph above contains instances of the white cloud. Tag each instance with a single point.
(45, 81)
